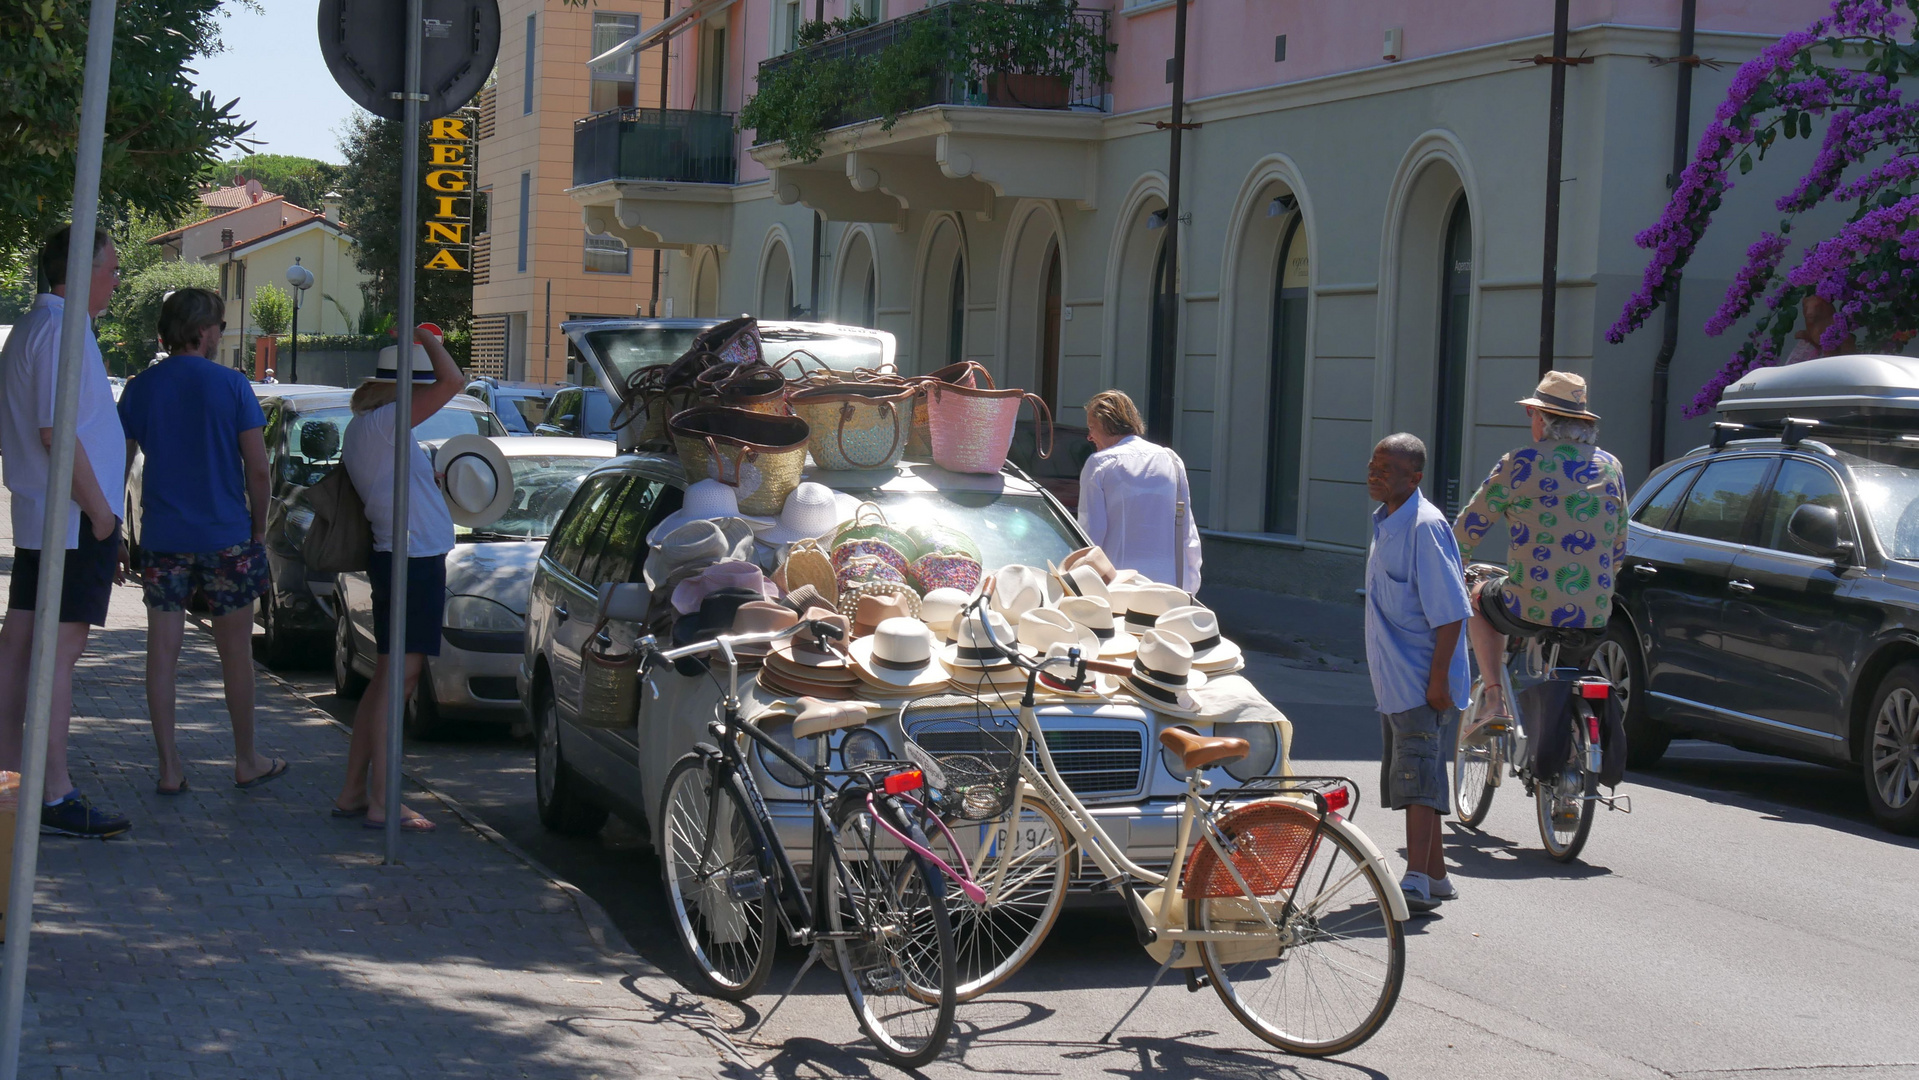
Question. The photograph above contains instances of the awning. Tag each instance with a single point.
(665, 28)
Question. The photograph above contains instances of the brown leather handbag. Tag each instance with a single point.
(757, 454)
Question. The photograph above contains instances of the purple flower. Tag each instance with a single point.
(1761, 260)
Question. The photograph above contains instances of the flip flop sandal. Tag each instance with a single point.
(280, 766)
(181, 790)
(415, 825)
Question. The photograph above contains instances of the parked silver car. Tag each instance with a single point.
(487, 576)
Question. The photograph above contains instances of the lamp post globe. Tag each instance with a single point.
(301, 279)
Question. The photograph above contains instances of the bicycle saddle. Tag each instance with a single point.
(817, 717)
(1199, 751)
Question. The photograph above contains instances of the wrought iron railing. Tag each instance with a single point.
(1055, 81)
(679, 145)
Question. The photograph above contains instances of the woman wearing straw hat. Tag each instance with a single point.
(1134, 500)
(367, 452)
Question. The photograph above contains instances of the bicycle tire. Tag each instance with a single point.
(893, 940)
(1476, 764)
(1364, 915)
(722, 914)
(1565, 844)
(992, 942)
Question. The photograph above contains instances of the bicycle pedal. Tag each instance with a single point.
(745, 886)
(1196, 980)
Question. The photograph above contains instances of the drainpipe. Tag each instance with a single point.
(1555, 152)
(666, 12)
(1162, 404)
(1669, 328)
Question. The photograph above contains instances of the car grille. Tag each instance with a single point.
(1099, 762)
(493, 687)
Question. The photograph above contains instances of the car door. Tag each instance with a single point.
(1794, 625)
(1680, 576)
(571, 601)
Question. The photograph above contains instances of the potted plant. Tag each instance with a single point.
(1029, 53)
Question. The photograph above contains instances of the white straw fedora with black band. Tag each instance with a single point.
(1096, 615)
(1162, 676)
(940, 610)
(1017, 588)
(1053, 680)
(1041, 628)
(1082, 580)
(1199, 627)
(898, 655)
(1561, 393)
(475, 478)
(1146, 603)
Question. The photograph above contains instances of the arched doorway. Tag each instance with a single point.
(1455, 316)
(706, 287)
(1031, 286)
(776, 284)
(942, 300)
(956, 313)
(1160, 303)
(1286, 407)
(1051, 307)
(857, 301)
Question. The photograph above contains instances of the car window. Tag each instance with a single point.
(543, 485)
(565, 410)
(599, 413)
(511, 418)
(531, 410)
(581, 518)
(1008, 528)
(621, 538)
(1798, 483)
(1717, 506)
(1658, 509)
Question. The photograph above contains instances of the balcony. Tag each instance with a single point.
(945, 108)
(656, 178)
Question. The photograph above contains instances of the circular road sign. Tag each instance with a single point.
(364, 42)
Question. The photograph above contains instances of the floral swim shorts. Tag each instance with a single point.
(230, 579)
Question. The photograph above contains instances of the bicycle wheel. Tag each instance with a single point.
(711, 862)
(1025, 876)
(1476, 764)
(893, 942)
(1565, 813)
(1330, 977)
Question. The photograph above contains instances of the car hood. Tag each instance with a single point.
(498, 570)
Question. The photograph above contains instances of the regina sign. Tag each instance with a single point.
(447, 235)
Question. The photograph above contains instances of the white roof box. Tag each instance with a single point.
(1830, 388)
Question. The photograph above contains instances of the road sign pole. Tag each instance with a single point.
(404, 447)
(74, 325)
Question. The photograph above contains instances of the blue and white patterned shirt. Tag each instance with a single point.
(1564, 507)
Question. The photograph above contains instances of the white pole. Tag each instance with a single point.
(403, 444)
(74, 323)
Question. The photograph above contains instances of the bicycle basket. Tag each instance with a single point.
(975, 763)
(1272, 841)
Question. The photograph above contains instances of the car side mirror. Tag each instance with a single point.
(624, 602)
(1815, 529)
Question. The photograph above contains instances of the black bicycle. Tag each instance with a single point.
(876, 911)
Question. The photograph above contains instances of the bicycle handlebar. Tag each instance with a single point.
(652, 653)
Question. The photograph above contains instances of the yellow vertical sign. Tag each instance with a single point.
(448, 223)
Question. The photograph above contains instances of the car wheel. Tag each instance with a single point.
(1890, 756)
(278, 649)
(1617, 660)
(347, 683)
(423, 719)
(563, 809)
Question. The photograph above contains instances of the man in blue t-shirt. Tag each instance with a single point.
(203, 517)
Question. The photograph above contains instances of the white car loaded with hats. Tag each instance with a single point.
(882, 505)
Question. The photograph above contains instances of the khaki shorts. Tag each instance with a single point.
(1415, 747)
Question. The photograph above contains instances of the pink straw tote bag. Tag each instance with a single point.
(972, 429)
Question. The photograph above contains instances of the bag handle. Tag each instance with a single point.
(846, 413)
(964, 373)
(1045, 415)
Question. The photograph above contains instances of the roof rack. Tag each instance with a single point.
(1793, 430)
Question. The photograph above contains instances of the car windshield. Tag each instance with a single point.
(625, 350)
(1886, 483)
(542, 486)
(1009, 528)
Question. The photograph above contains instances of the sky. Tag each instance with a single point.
(272, 64)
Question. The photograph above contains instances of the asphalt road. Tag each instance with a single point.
(1746, 919)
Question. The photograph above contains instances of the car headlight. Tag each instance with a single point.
(779, 770)
(862, 745)
(1172, 761)
(479, 613)
(1264, 742)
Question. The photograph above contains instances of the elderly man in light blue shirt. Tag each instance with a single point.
(1416, 606)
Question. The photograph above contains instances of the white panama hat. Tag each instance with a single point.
(899, 655)
(1041, 628)
(1163, 676)
(811, 511)
(1199, 627)
(704, 501)
(1096, 615)
(477, 480)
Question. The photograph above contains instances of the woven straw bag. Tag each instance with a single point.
(760, 456)
(919, 445)
(654, 393)
(755, 387)
(807, 564)
(869, 523)
(973, 428)
(856, 425)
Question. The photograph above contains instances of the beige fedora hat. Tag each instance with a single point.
(1199, 627)
(477, 481)
(1163, 676)
(1043, 627)
(1096, 615)
(1146, 603)
(940, 609)
(1561, 393)
(1097, 685)
(898, 655)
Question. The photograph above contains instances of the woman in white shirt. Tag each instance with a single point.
(1134, 501)
(367, 452)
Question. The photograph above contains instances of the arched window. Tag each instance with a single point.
(1455, 313)
(956, 315)
(1160, 301)
(1287, 407)
(1049, 334)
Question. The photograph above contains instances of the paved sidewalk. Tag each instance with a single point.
(248, 934)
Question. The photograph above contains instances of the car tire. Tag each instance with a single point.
(1618, 660)
(347, 683)
(423, 718)
(279, 650)
(556, 791)
(1889, 754)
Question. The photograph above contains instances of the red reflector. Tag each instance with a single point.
(1594, 689)
(906, 781)
(1336, 800)
(1592, 729)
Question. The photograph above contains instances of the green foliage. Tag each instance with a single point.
(130, 331)
(302, 180)
(272, 310)
(338, 342)
(161, 134)
(957, 45)
(370, 192)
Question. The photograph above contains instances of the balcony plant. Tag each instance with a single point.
(1030, 52)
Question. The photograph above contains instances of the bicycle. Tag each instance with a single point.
(1286, 906)
(876, 910)
(1565, 802)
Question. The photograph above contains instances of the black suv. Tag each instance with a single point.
(519, 405)
(1769, 599)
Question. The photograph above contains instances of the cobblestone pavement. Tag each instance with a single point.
(249, 934)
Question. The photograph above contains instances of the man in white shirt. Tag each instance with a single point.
(29, 377)
(1134, 500)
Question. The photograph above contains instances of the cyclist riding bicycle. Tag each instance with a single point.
(1563, 501)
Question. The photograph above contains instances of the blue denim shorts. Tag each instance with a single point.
(1415, 748)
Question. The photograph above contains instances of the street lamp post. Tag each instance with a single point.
(301, 279)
